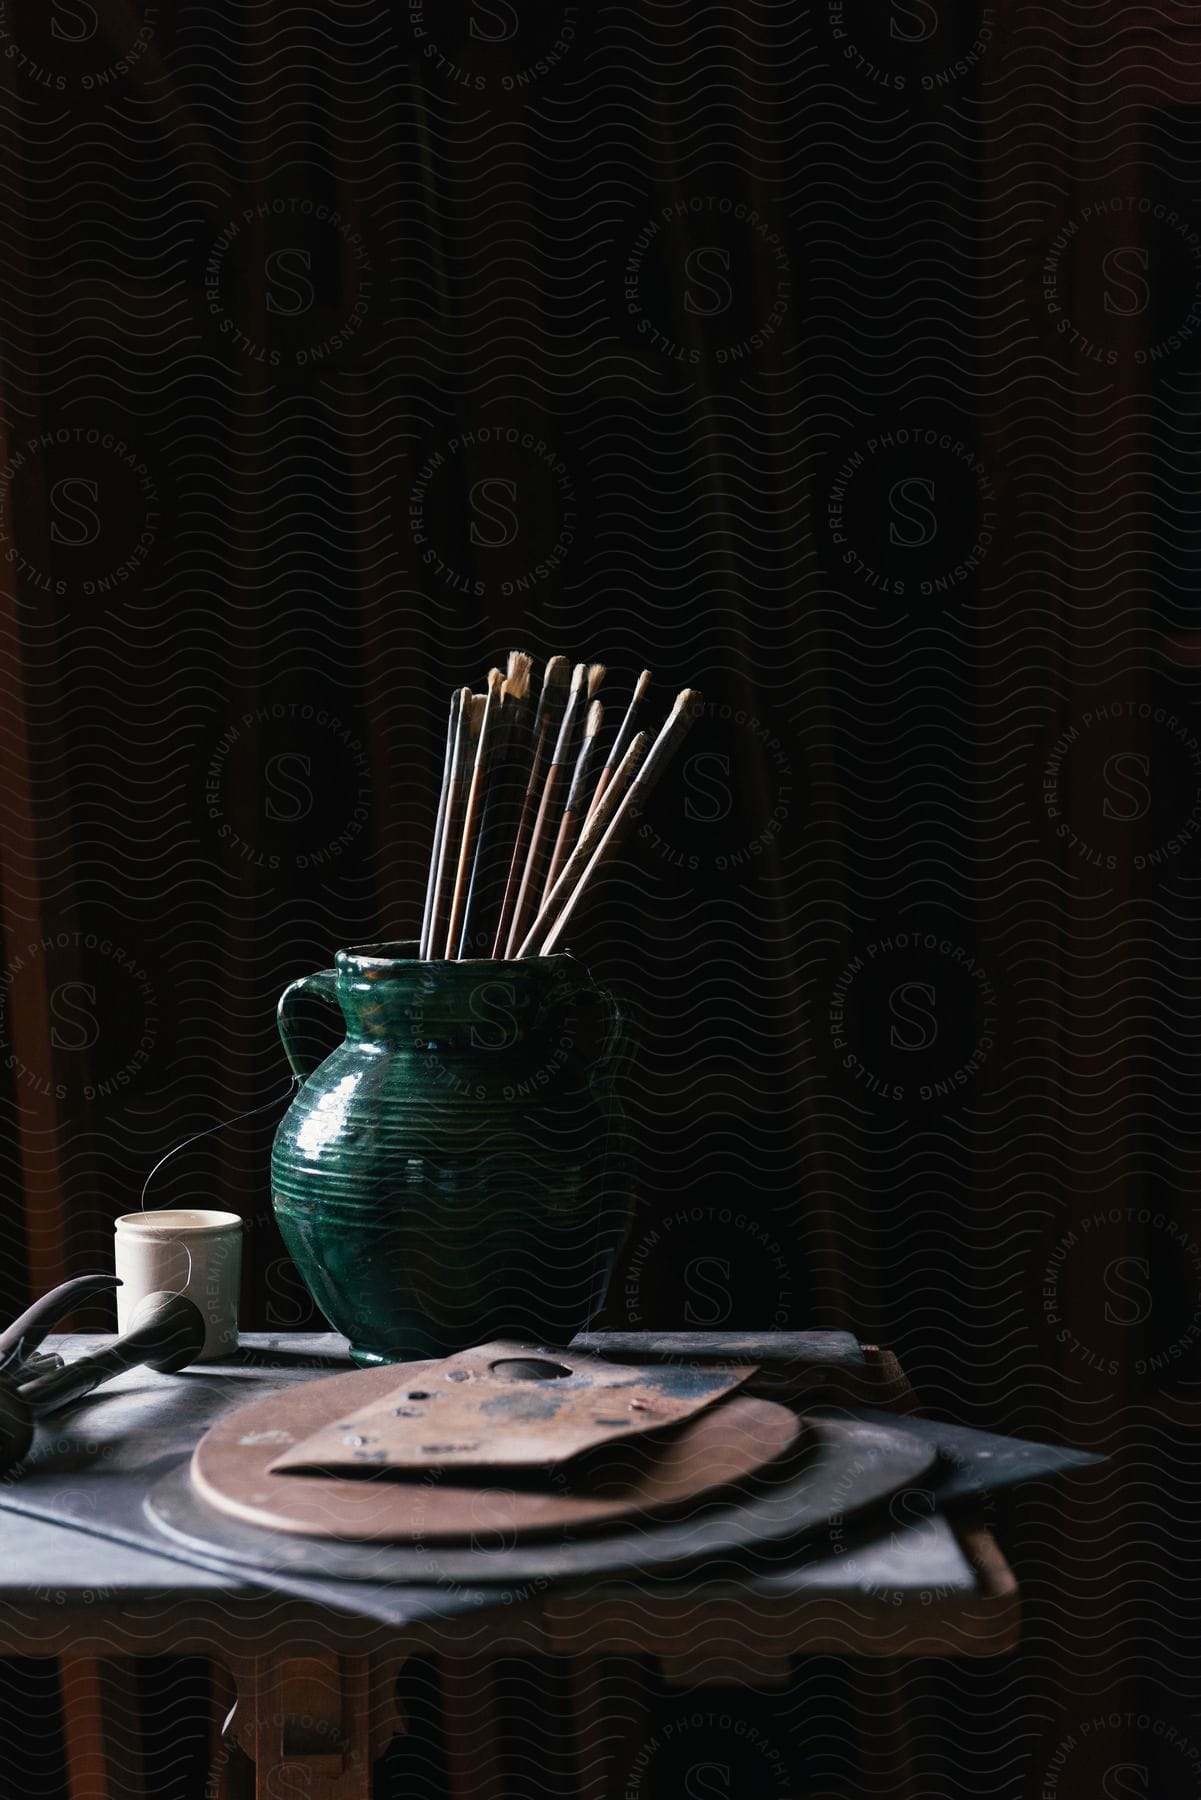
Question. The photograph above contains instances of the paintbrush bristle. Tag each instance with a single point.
(579, 676)
(465, 698)
(592, 723)
(641, 685)
(517, 674)
(596, 674)
(557, 672)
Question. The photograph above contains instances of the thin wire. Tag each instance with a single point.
(220, 1126)
(208, 1132)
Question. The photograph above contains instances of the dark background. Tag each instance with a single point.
(863, 344)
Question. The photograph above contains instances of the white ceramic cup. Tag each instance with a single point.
(151, 1254)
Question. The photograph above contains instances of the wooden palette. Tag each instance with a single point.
(504, 1405)
(236, 1468)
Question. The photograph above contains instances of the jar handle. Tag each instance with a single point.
(324, 983)
(612, 1035)
(614, 1020)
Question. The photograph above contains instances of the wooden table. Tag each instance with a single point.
(316, 1689)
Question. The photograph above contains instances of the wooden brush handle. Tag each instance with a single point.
(545, 731)
(629, 806)
(531, 881)
(521, 844)
(431, 886)
(558, 856)
(579, 862)
(602, 782)
(458, 900)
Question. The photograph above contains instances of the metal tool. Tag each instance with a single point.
(19, 1341)
(166, 1332)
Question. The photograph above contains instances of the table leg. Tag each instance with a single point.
(102, 1727)
(314, 1724)
(887, 1752)
(470, 1725)
(230, 1771)
(610, 1720)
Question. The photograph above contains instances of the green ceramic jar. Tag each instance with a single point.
(456, 1170)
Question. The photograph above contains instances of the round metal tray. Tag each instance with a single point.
(841, 1467)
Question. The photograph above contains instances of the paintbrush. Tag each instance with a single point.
(621, 742)
(473, 809)
(585, 680)
(458, 704)
(683, 714)
(551, 703)
(467, 728)
(595, 827)
(508, 760)
(576, 808)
